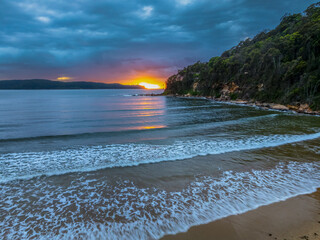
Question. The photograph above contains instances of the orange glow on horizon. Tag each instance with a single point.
(148, 82)
(149, 85)
(64, 78)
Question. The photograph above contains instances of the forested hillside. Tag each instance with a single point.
(279, 66)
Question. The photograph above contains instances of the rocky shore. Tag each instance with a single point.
(298, 107)
(303, 108)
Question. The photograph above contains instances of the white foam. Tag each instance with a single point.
(93, 209)
(31, 164)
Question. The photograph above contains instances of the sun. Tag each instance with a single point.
(149, 85)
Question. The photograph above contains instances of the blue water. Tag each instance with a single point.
(26, 114)
(97, 164)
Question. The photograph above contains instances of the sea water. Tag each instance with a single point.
(112, 164)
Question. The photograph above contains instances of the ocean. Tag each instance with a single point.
(111, 164)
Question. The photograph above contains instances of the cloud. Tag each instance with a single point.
(116, 40)
(43, 19)
(146, 11)
(184, 2)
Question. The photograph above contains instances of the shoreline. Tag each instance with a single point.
(295, 218)
(300, 108)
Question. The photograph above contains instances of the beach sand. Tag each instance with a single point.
(295, 218)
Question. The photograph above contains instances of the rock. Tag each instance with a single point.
(195, 87)
(304, 108)
(266, 105)
(225, 90)
(260, 87)
(279, 107)
(229, 89)
(234, 87)
(241, 101)
(293, 108)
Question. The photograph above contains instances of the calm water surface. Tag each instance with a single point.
(106, 164)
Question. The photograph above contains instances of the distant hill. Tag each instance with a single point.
(48, 84)
(277, 66)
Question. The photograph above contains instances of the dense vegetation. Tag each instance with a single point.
(47, 84)
(280, 66)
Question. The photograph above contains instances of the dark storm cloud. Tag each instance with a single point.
(113, 39)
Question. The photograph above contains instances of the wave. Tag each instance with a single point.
(82, 135)
(173, 127)
(27, 165)
(125, 211)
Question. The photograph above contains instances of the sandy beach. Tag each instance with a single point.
(295, 218)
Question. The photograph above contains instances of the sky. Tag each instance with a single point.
(125, 41)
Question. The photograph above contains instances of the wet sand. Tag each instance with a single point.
(295, 218)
